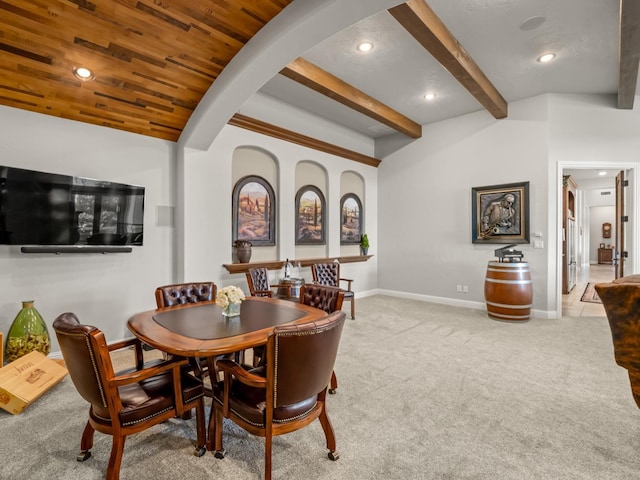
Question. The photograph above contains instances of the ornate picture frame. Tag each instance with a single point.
(351, 219)
(310, 216)
(500, 213)
(253, 211)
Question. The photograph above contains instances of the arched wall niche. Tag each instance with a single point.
(312, 173)
(353, 183)
(252, 160)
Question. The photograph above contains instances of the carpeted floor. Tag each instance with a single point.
(426, 392)
(590, 295)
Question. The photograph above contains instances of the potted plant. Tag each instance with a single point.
(364, 244)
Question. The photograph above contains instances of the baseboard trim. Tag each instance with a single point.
(454, 302)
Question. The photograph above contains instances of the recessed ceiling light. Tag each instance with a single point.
(547, 57)
(429, 96)
(602, 173)
(83, 73)
(365, 47)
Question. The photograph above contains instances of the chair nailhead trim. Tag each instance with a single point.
(147, 417)
(93, 362)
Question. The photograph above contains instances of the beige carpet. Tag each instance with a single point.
(426, 392)
(590, 295)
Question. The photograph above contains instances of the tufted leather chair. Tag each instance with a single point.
(259, 285)
(177, 294)
(329, 274)
(325, 298)
(287, 393)
(129, 401)
(622, 304)
(182, 293)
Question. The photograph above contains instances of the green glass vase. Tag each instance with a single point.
(28, 332)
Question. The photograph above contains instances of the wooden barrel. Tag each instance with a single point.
(508, 291)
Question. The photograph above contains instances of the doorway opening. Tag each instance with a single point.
(588, 247)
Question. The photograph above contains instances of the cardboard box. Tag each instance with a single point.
(26, 379)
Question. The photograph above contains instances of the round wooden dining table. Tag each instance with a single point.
(200, 330)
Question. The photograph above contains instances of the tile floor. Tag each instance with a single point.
(571, 304)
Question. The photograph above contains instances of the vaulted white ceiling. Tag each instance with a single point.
(503, 37)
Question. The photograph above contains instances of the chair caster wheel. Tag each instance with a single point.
(333, 455)
(82, 456)
(200, 451)
(219, 454)
(332, 391)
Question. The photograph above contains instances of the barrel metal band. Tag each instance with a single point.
(501, 305)
(511, 282)
(509, 317)
(511, 270)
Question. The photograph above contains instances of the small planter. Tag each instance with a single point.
(364, 245)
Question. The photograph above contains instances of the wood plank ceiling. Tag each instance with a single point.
(155, 59)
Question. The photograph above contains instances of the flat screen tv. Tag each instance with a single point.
(47, 209)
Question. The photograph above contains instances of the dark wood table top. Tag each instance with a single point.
(200, 330)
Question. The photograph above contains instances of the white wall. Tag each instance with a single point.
(425, 202)
(598, 216)
(417, 205)
(589, 130)
(103, 290)
(425, 244)
(599, 209)
(207, 207)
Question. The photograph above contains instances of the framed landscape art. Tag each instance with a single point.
(254, 208)
(310, 216)
(351, 219)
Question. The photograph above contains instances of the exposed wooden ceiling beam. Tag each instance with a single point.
(248, 123)
(312, 76)
(629, 52)
(425, 26)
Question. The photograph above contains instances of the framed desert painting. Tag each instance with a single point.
(310, 216)
(351, 219)
(253, 212)
(500, 213)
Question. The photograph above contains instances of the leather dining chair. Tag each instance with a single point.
(259, 285)
(183, 293)
(284, 395)
(177, 294)
(129, 401)
(329, 274)
(325, 298)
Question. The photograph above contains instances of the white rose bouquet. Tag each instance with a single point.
(229, 295)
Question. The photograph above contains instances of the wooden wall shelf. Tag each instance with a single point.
(279, 264)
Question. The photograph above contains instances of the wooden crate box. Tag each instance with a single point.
(26, 379)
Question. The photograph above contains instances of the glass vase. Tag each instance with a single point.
(232, 310)
(28, 332)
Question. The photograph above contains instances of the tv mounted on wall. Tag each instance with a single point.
(47, 212)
